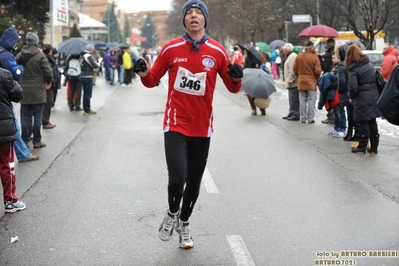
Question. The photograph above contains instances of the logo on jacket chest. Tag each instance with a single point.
(180, 60)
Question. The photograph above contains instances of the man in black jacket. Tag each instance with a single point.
(10, 90)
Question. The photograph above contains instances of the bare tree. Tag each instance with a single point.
(368, 15)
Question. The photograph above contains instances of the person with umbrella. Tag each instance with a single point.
(193, 63)
(252, 62)
(307, 68)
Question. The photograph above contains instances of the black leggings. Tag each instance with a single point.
(186, 159)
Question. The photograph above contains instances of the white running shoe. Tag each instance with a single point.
(167, 227)
(185, 239)
(13, 207)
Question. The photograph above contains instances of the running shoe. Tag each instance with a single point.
(185, 239)
(167, 227)
(13, 207)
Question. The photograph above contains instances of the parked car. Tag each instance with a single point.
(375, 57)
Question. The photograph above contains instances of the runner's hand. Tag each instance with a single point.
(235, 71)
(140, 65)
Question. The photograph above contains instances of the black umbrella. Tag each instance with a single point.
(74, 46)
(257, 83)
(252, 50)
(244, 46)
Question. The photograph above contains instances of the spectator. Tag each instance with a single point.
(390, 60)
(237, 57)
(89, 68)
(56, 85)
(47, 50)
(35, 80)
(8, 43)
(75, 84)
(291, 83)
(308, 69)
(121, 74)
(327, 65)
(112, 66)
(363, 93)
(252, 62)
(128, 66)
(106, 63)
(10, 90)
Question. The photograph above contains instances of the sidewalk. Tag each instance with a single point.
(68, 125)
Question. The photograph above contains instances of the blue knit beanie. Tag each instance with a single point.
(197, 4)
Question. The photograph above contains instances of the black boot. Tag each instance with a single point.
(349, 133)
(361, 148)
(357, 131)
(374, 141)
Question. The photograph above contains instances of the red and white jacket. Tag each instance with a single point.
(192, 80)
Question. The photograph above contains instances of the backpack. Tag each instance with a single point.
(74, 68)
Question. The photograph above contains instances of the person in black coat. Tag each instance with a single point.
(344, 95)
(10, 91)
(363, 93)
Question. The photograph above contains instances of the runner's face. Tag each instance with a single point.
(194, 20)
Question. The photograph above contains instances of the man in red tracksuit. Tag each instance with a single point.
(193, 62)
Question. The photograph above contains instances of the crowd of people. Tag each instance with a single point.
(35, 71)
(343, 78)
(347, 86)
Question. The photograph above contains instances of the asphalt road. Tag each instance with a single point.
(275, 192)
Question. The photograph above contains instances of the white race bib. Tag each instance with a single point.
(190, 83)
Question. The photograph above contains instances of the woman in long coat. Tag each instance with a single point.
(363, 93)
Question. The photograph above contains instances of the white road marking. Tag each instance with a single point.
(240, 251)
(208, 182)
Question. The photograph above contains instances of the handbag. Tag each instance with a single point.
(380, 80)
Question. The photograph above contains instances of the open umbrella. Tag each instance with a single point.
(111, 45)
(74, 45)
(319, 30)
(252, 50)
(264, 47)
(244, 46)
(276, 43)
(98, 44)
(257, 83)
